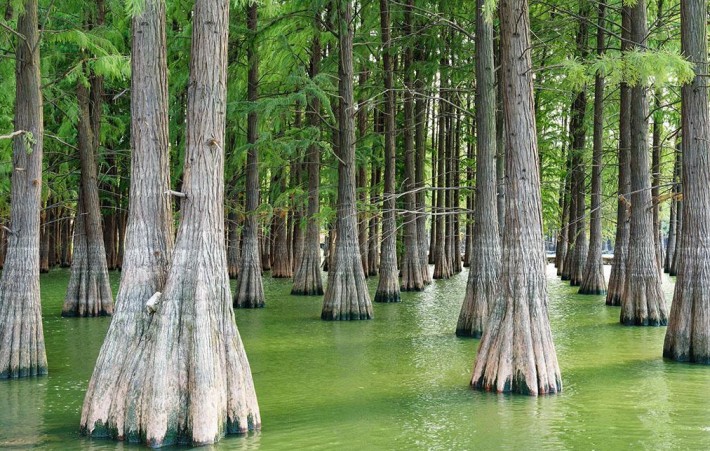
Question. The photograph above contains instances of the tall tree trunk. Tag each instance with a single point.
(388, 284)
(373, 244)
(346, 297)
(65, 237)
(593, 281)
(673, 223)
(44, 242)
(22, 350)
(109, 409)
(482, 286)
(307, 279)
(420, 106)
(564, 202)
(679, 233)
(688, 334)
(281, 267)
(89, 289)
(643, 303)
(250, 289)
(362, 223)
(617, 278)
(516, 352)
(442, 267)
(411, 271)
(195, 384)
(233, 245)
(501, 147)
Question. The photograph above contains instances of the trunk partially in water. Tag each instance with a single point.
(250, 288)
(517, 353)
(482, 287)
(617, 278)
(307, 278)
(388, 283)
(89, 289)
(346, 297)
(688, 335)
(22, 351)
(643, 303)
(593, 281)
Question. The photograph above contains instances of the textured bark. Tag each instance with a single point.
(571, 225)
(673, 223)
(89, 289)
(281, 267)
(500, 141)
(250, 289)
(22, 350)
(420, 104)
(193, 381)
(564, 202)
(442, 267)
(688, 335)
(3, 246)
(307, 278)
(455, 188)
(643, 303)
(44, 242)
(593, 281)
(411, 272)
(233, 247)
(65, 252)
(373, 243)
(362, 222)
(482, 287)
(516, 352)
(617, 278)
(346, 297)
(656, 145)
(388, 283)
(676, 254)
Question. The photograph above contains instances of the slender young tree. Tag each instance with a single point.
(411, 273)
(673, 221)
(688, 334)
(149, 235)
(643, 303)
(307, 279)
(22, 350)
(517, 353)
(250, 288)
(617, 278)
(346, 296)
(89, 289)
(593, 281)
(482, 287)
(388, 284)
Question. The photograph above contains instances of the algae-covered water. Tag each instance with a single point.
(399, 381)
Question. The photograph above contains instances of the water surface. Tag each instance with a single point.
(399, 381)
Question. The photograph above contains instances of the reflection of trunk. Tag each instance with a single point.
(89, 289)
(346, 297)
(516, 353)
(643, 303)
(188, 377)
(688, 335)
(307, 279)
(21, 337)
(481, 289)
(250, 289)
(388, 284)
(616, 290)
(593, 276)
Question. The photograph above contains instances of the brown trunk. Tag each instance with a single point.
(373, 244)
(643, 303)
(679, 232)
(388, 284)
(593, 276)
(482, 286)
(43, 242)
(281, 267)
(617, 278)
(65, 237)
(442, 267)
(564, 202)
(420, 106)
(656, 145)
(688, 334)
(516, 352)
(673, 223)
(362, 223)
(89, 289)
(307, 279)
(346, 297)
(22, 350)
(250, 289)
(233, 245)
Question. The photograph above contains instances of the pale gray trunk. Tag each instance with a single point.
(517, 353)
(22, 350)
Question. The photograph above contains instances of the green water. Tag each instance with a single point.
(399, 381)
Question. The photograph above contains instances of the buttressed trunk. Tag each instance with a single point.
(22, 350)
(516, 352)
(688, 334)
(643, 303)
(89, 289)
